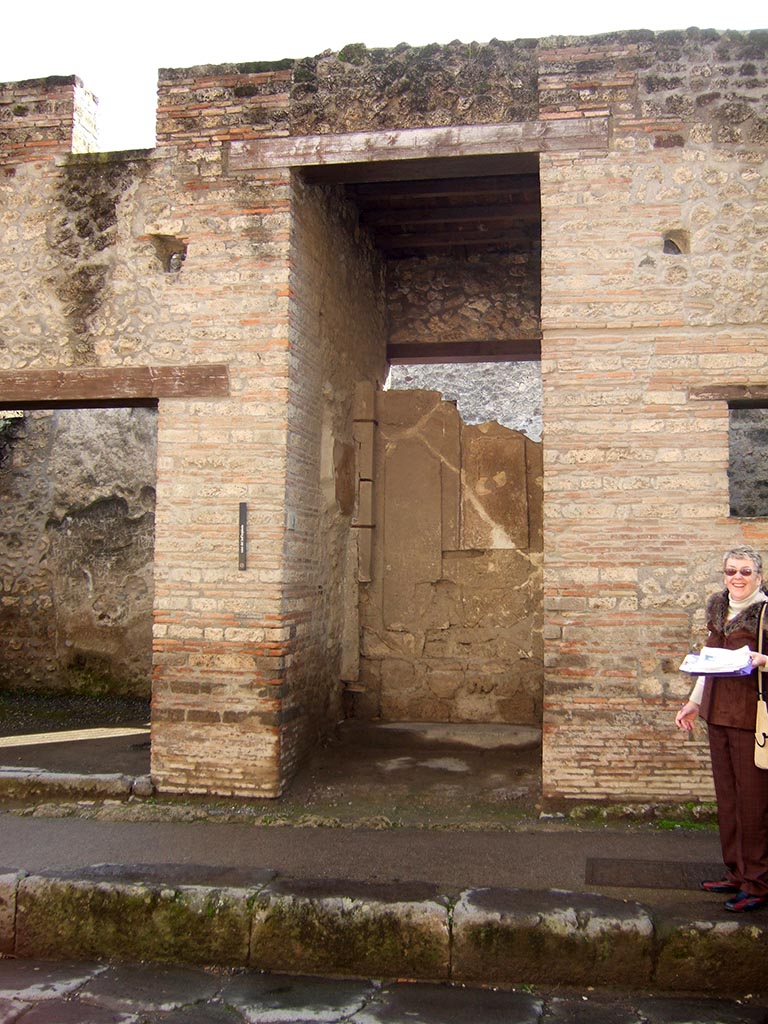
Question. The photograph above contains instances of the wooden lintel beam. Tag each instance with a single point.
(110, 384)
(729, 393)
(566, 135)
(520, 349)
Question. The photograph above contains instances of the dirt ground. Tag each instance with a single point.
(381, 774)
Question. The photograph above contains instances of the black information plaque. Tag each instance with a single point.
(242, 538)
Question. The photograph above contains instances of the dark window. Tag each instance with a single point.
(748, 461)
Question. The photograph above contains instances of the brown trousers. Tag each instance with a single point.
(742, 807)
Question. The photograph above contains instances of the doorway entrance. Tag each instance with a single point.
(77, 544)
(450, 601)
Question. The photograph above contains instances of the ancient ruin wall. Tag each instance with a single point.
(49, 116)
(479, 297)
(635, 459)
(338, 339)
(636, 514)
(218, 633)
(77, 494)
(451, 620)
(358, 89)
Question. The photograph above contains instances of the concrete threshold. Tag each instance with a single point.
(198, 915)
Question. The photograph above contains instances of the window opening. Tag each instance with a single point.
(748, 461)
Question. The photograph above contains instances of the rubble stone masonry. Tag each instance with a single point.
(653, 292)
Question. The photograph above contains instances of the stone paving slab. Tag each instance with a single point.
(93, 993)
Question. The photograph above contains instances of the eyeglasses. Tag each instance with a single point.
(738, 572)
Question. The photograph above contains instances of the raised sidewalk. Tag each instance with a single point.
(91, 869)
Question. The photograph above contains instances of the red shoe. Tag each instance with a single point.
(721, 886)
(742, 902)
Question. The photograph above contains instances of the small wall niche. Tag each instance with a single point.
(170, 251)
(677, 242)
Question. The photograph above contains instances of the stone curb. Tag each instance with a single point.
(486, 936)
(17, 784)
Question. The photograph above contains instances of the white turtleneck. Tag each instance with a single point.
(734, 608)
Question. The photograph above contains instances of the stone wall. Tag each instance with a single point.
(76, 547)
(358, 89)
(451, 622)
(482, 297)
(44, 118)
(636, 467)
(653, 270)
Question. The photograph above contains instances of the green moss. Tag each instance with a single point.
(354, 53)
(345, 938)
(259, 66)
(19, 110)
(88, 675)
(83, 919)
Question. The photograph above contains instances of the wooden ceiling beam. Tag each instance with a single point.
(523, 348)
(450, 215)
(454, 235)
(520, 187)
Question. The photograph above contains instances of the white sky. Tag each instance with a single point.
(116, 50)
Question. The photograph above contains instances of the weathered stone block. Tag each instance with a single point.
(508, 936)
(351, 929)
(79, 919)
(30, 783)
(691, 954)
(8, 887)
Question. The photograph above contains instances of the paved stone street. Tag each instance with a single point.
(35, 992)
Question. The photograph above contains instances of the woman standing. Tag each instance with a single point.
(728, 704)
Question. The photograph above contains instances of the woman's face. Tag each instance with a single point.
(739, 585)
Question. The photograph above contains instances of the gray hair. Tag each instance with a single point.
(745, 552)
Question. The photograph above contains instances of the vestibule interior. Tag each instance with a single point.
(447, 510)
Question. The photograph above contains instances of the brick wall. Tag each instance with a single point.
(42, 118)
(93, 288)
(636, 508)
(246, 663)
(221, 640)
(338, 338)
(206, 106)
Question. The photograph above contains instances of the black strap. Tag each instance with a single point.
(760, 678)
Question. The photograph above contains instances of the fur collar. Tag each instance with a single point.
(717, 609)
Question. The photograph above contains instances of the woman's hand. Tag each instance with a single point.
(759, 660)
(686, 716)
